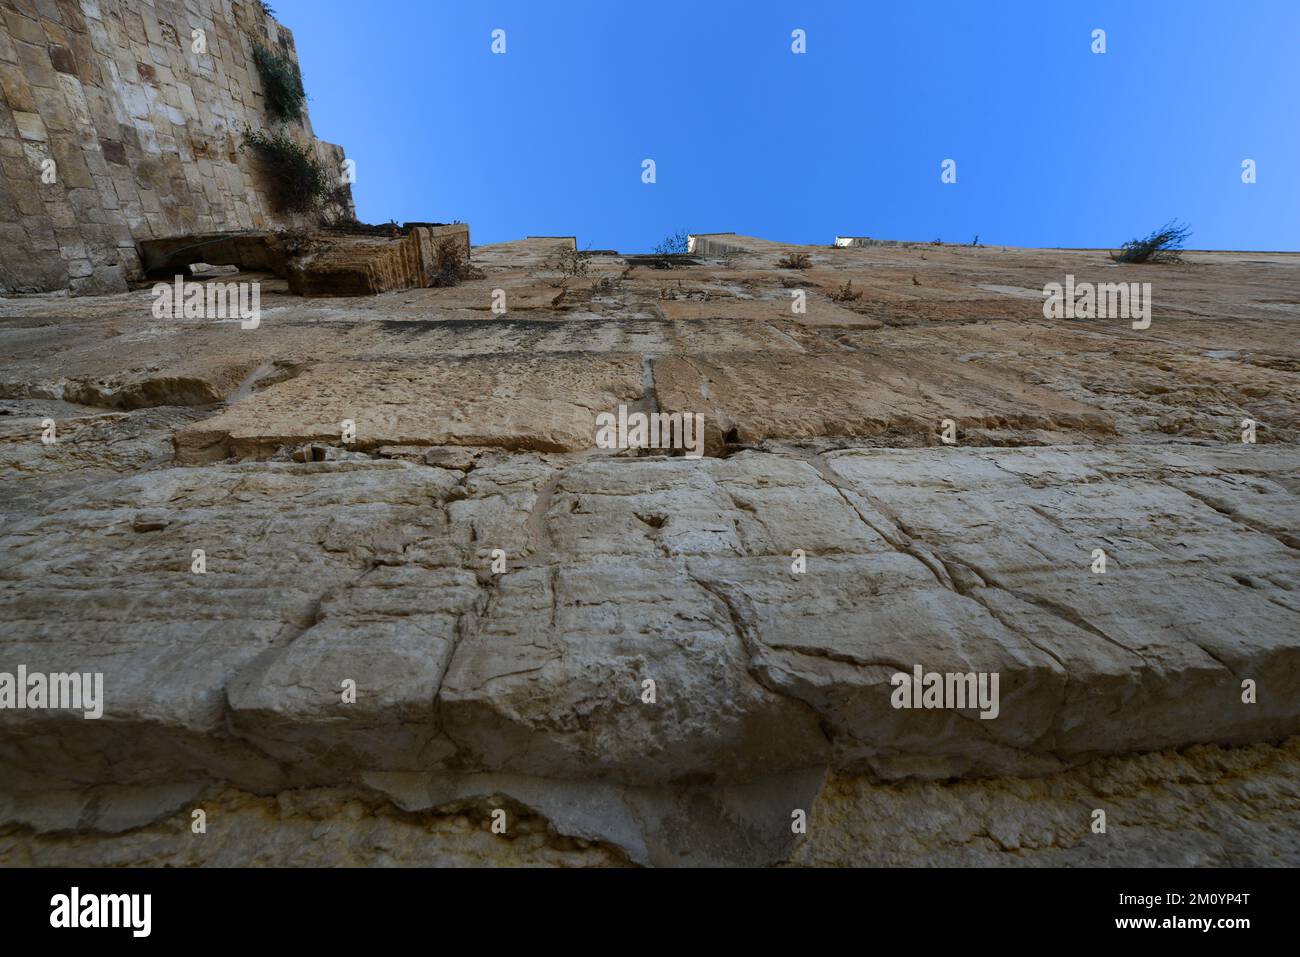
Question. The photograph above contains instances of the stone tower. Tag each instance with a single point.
(121, 122)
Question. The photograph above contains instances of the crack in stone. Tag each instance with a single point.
(905, 547)
(747, 645)
(1240, 519)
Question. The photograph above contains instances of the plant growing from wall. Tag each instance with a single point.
(281, 82)
(451, 263)
(846, 294)
(570, 263)
(300, 182)
(1164, 245)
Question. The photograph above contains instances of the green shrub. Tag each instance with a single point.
(1162, 246)
(795, 261)
(846, 294)
(300, 182)
(281, 82)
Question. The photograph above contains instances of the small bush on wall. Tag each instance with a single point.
(281, 83)
(1164, 245)
(451, 263)
(300, 182)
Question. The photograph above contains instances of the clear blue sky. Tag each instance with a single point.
(1055, 145)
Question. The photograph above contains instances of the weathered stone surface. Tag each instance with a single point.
(816, 312)
(317, 827)
(567, 699)
(521, 404)
(1203, 807)
(684, 824)
(259, 591)
(675, 571)
(799, 397)
(1002, 547)
(500, 591)
(391, 633)
(1206, 806)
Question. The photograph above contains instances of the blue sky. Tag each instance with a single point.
(1054, 145)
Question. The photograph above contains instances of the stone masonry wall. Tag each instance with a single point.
(145, 133)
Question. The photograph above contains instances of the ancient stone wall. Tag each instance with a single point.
(405, 495)
(144, 133)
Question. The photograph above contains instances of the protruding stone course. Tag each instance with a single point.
(540, 672)
(801, 397)
(336, 261)
(356, 266)
(519, 403)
